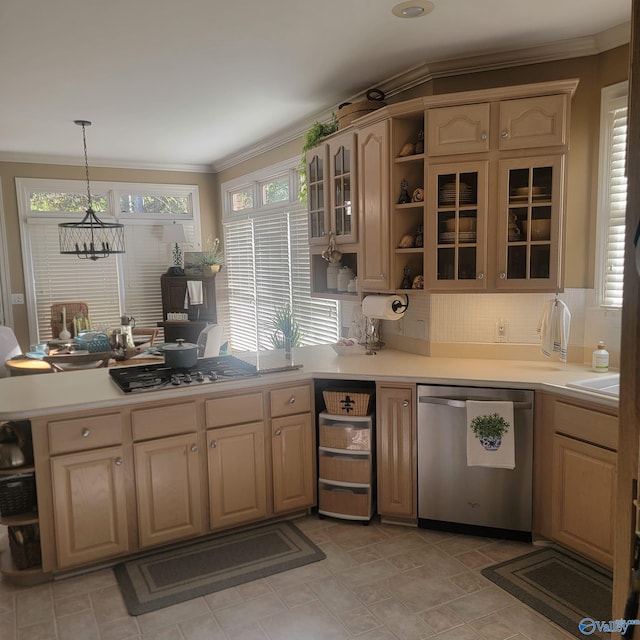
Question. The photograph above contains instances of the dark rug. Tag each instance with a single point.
(560, 586)
(196, 569)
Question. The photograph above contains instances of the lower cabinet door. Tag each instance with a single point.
(237, 477)
(293, 463)
(583, 503)
(168, 489)
(89, 506)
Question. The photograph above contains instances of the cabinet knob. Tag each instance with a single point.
(382, 276)
(504, 134)
(118, 461)
(483, 136)
(86, 432)
(278, 432)
(480, 276)
(405, 403)
(503, 275)
(213, 444)
(292, 400)
(194, 448)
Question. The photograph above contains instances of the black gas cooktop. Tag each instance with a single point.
(153, 377)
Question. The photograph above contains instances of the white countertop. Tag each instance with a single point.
(46, 394)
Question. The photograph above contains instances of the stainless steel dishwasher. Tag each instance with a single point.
(454, 496)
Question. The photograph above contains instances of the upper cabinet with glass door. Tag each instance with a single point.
(331, 190)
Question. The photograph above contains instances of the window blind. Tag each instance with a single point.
(268, 266)
(616, 202)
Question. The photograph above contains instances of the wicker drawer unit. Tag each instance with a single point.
(345, 464)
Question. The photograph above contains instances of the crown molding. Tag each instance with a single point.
(29, 158)
(425, 72)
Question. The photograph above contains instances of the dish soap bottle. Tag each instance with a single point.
(600, 359)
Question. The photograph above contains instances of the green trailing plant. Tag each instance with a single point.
(489, 426)
(285, 326)
(312, 139)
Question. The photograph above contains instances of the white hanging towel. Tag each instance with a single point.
(554, 326)
(486, 455)
(193, 294)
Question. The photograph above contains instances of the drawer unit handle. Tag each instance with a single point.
(504, 134)
(503, 275)
(118, 461)
(213, 444)
(483, 136)
(86, 432)
(405, 403)
(278, 432)
(194, 447)
(292, 400)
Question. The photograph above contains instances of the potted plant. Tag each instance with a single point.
(312, 139)
(212, 259)
(489, 429)
(287, 332)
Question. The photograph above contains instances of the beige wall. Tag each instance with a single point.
(594, 72)
(10, 171)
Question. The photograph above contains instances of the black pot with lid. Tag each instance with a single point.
(180, 354)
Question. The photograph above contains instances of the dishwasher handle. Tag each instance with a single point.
(461, 404)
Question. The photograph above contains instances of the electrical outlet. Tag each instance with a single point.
(502, 327)
(17, 298)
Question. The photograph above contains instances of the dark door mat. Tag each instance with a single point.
(559, 585)
(161, 579)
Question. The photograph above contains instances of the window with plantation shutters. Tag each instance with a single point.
(267, 261)
(128, 283)
(613, 194)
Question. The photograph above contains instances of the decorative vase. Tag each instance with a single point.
(287, 348)
(210, 270)
(490, 443)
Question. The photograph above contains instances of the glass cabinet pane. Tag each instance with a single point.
(529, 222)
(457, 222)
(342, 192)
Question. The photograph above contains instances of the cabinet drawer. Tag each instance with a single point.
(350, 501)
(344, 467)
(222, 412)
(341, 435)
(163, 421)
(585, 424)
(285, 402)
(81, 434)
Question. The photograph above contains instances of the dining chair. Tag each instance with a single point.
(73, 362)
(9, 348)
(150, 333)
(71, 310)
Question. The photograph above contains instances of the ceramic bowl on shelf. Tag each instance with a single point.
(540, 229)
(464, 224)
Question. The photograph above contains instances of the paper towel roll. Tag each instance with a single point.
(384, 307)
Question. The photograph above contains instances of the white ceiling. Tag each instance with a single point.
(191, 83)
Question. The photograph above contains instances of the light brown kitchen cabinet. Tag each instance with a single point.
(373, 198)
(540, 121)
(458, 129)
(457, 219)
(89, 503)
(331, 190)
(168, 489)
(237, 476)
(584, 480)
(395, 451)
(575, 475)
(293, 476)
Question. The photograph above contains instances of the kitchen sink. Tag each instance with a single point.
(608, 385)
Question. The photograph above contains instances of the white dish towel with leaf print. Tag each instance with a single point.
(484, 455)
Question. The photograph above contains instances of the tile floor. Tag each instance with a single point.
(378, 582)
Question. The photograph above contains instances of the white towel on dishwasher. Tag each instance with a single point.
(488, 454)
(554, 325)
(193, 294)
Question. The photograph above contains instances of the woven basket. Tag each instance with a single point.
(349, 112)
(348, 403)
(24, 542)
(17, 494)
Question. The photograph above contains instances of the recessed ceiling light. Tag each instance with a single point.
(413, 8)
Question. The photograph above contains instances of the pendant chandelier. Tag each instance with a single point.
(90, 238)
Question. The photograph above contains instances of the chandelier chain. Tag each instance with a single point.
(86, 165)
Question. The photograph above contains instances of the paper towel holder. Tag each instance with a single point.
(398, 307)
